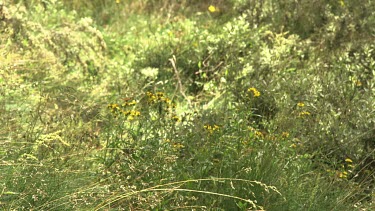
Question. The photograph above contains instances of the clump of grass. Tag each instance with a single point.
(171, 188)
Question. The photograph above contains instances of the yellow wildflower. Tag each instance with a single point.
(118, 1)
(135, 113)
(177, 146)
(176, 118)
(114, 108)
(304, 113)
(160, 94)
(343, 174)
(131, 103)
(149, 94)
(211, 129)
(300, 104)
(166, 100)
(251, 128)
(285, 134)
(259, 134)
(212, 8)
(255, 92)
(348, 160)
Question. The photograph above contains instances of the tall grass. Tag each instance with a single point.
(162, 105)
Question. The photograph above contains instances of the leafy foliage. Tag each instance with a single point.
(161, 105)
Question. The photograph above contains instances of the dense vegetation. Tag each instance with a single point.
(192, 105)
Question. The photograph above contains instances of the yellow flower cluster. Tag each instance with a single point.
(175, 145)
(257, 133)
(176, 118)
(178, 146)
(255, 92)
(114, 107)
(301, 110)
(343, 174)
(344, 169)
(163, 104)
(159, 97)
(284, 134)
(304, 113)
(349, 164)
(131, 114)
(124, 110)
(211, 128)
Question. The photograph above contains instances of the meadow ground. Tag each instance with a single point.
(187, 105)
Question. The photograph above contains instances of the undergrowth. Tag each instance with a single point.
(195, 105)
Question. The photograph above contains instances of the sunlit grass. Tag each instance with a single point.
(177, 104)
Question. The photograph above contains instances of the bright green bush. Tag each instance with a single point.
(49, 59)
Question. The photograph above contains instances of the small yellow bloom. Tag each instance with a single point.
(285, 134)
(135, 113)
(255, 92)
(177, 146)
(160, 94)
(126, 113)
(118, 1)
(211, 129)
(343, 175)
(348, 160)
(304, 113)
(251, 128)
(149, 94)
(300, 104)
(259, 134)
(293, 146)
(132, 103)
(114, 108)
(166, 100)
(212, 8)
(176, 118)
